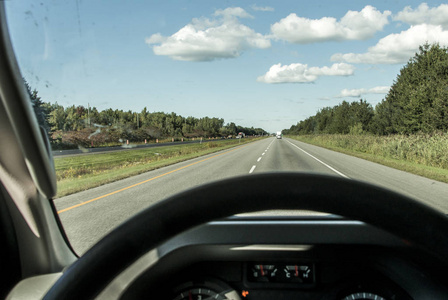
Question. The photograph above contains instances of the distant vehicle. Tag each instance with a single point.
(279, 134)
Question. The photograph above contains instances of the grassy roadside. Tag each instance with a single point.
(424, 155)
(78, 173)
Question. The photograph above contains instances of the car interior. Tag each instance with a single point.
(370, 243)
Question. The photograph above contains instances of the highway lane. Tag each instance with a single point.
(429, 191)
(85, 224)
(89, 215)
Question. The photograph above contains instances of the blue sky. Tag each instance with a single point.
(258, 64)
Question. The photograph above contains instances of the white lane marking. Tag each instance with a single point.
(263, 153)
(252, 169)
(330, 167)
(258, 159)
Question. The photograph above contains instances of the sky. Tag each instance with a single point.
(254, 63)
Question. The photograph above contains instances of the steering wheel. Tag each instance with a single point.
(408, 219)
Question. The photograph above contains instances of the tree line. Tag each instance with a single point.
(416, 102)
(86, 126)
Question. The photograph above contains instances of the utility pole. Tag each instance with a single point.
(88, 114)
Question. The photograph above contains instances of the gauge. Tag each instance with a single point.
(363, 296)
(298, 273)
(205, 289)
(199, 294)
(263, 272)
(281, 273)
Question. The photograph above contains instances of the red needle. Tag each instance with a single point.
(261, 268)
(190, 297)
(297, 271)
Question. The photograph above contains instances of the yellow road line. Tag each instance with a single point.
(148, 180)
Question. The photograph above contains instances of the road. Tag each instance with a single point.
(87, 216)
(84, 151)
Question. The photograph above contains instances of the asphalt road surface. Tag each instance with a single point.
(87, 216)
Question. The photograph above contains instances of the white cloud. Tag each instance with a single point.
(262, 8)
(353, 26)
(359, 92)
(379, 90)
(205, 40)
(300, 73)
(156, 38)
(397, 48)
(340, 69)
(232, 12)
(352, 93)
(423, 14)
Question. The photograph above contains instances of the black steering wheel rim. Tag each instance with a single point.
(409, 219)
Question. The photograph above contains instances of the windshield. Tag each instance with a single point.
(141, 100)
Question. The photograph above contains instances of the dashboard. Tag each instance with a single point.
(288, 258)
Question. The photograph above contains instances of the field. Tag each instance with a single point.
(82, 172)
(422, 154)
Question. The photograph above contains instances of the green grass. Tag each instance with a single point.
(421, 154)
(82, 172)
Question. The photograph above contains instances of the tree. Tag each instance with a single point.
(41, 110)
(75, 125)
(361, 114)
(57, 117)
(418, 99)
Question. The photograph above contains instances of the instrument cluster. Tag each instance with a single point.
(278, 280)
